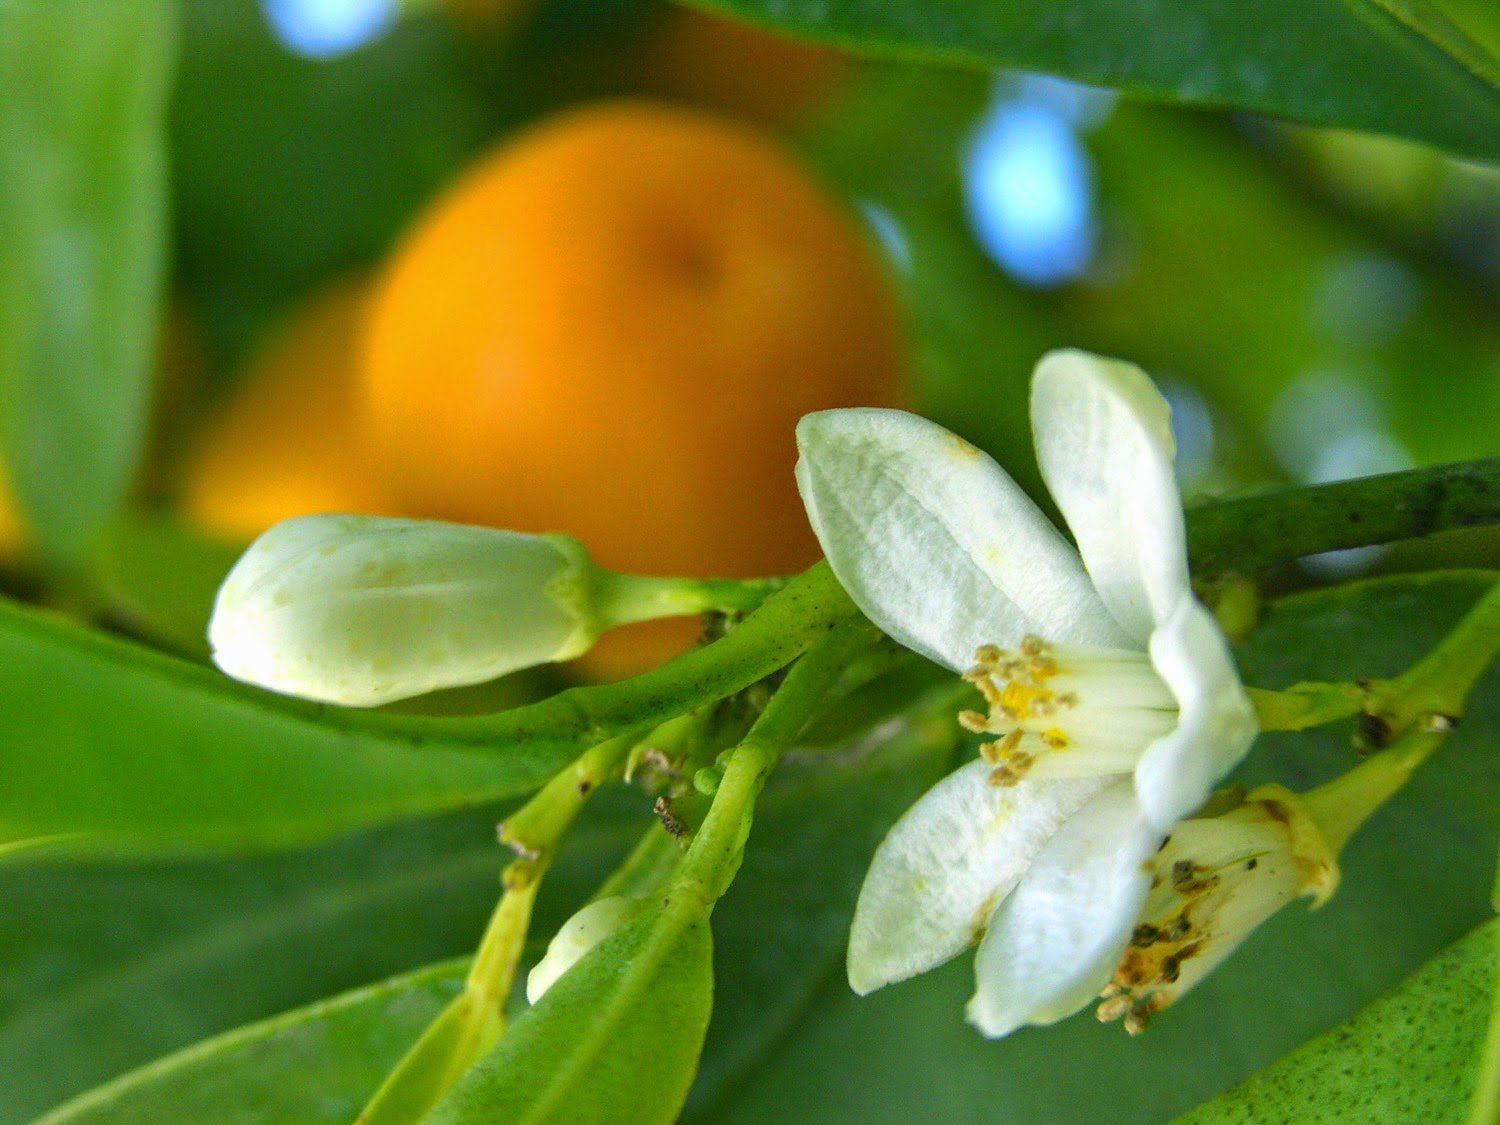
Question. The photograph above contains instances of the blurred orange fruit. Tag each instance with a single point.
(287, 442)
(13, 534)
(730, 66)
(610, 327)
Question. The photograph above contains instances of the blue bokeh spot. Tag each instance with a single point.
(1028, 188)
(321, 29)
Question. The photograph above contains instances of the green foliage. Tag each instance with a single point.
(1161, 279)
(788, 1037)
(616, 1039)
(159, 577)
(206, 760)
(1392, 66)
(109, 737)
(337, 1049)
(208, 944)
(1220, 253)
(82, 243)
(211, 943)
(1410, 1056)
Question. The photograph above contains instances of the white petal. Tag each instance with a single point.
(1054, 943)
(1104, 444)
(1216, 720)
(935, 543)
(936, 877)
(578, 935)
(362, 610)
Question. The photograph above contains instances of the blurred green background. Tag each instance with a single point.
(1318, 305)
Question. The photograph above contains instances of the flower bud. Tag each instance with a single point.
(362, 610)
(579, 934)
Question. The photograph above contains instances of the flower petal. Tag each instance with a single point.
(1054, 943)
(935, 543)
(1104, 444)
(1216, 720)
(936, 877)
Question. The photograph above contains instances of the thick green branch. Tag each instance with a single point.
(556, 730)
(1253, 532)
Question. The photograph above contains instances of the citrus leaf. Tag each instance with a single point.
(616, 1039)
(1410, 1056)
(123, 959)
(1388, 66)
(337, 1049)
(159, 576)
(207, 943)
(83, 198)
(104, 736)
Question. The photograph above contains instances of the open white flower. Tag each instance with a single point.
(1111, 690)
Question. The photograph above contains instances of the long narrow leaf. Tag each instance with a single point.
(1388, 66)
(83, 202)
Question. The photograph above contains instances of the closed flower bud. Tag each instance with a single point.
(579, 934)
(363, 610)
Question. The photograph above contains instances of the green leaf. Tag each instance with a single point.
(159, 577)
(337, 1050)
(1484, 1105)
(781, 930)
(1388, 66)
(616, 1039)
(82, 241)
(1411, 887)
(1410, 1056)
(108, 737)
(210, 943)
(122, 960)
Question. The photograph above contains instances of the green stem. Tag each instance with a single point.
(473, 1021)
(714, 857)
(1304, 705)
(1422, 705)
(1250, 533)
(1431, 691)
(624, 598)
(1346, 802)
(534, 829)
(540, 738)
(1437, 685)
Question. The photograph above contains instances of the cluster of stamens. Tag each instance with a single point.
(1023, 710)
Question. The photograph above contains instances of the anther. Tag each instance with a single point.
(973, 721)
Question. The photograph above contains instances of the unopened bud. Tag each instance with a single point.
(362, 610)
(579, 934)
